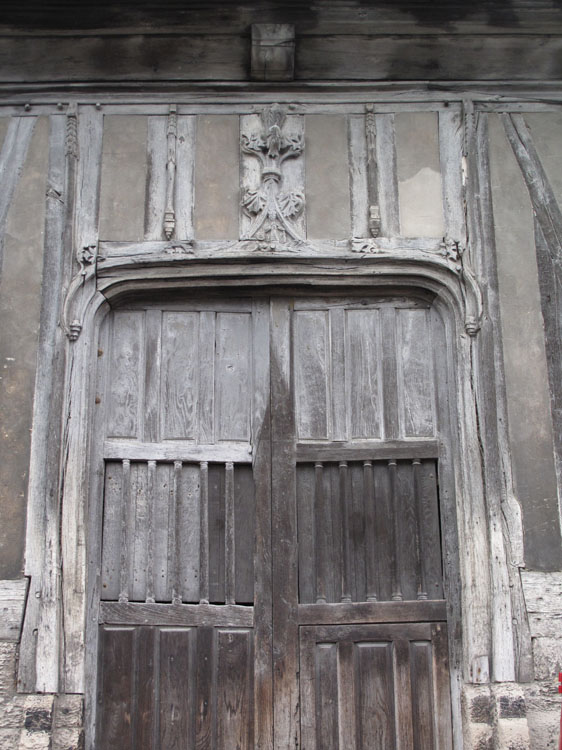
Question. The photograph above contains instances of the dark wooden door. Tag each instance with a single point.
(270, 566)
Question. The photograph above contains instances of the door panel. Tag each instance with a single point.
(375, 686)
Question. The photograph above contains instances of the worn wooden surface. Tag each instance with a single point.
(12, 603)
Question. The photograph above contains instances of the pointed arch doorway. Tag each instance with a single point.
(270, 571)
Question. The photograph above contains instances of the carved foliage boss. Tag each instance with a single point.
(272, 210)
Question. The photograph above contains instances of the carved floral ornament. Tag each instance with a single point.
(272, 210)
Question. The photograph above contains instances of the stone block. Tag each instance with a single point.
(69, 738)
(7, 667)
(547, 656)
(34, 740)
(68, 711)
(9, 738)
(11, 714)
(544, 729)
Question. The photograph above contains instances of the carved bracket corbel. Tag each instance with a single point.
(77, 295)
(272, 210)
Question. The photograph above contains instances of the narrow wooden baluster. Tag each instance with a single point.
(125, 508)
(420, 542)
(396, 590)
(151, 500)
(204, 533)
(346, 551)
(229, 541)
(370, 537)
(319, 532)
(176, 583)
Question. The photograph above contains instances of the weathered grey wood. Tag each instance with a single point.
(360, 165)
(12, 602)
(39, 651)
(286, 726)
(171, 159)
(151, 501)
(88, 169)
(174, 533)
(320, 534)
(204, 708)
(176, 682)
(216, 615)
(344, 516)
(371, 546)
(311, 363)
(405, 697)
(441, 692)
(233, 376)
(185, 149)
(234, 681)
(338, 368)
(364, 387)
(229, 535)
(273, 52)
(127, 354)
(204, 533)
(126, 516)
(173, 450)
(117, 687)
(347, 698)
(153, 364)
(180, 379)
(207, 337)
(365, 612)
(390, 374)
(327, 734)
(155, 196)
(451, 137)
(387, 175)
(396, 587)
(12, 159)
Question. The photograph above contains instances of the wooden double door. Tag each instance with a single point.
(269, 572)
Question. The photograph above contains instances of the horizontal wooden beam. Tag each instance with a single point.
(188, 615)
(367, 450)
(176, 450)
(372, 612)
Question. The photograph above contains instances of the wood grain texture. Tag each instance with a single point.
(12, 602)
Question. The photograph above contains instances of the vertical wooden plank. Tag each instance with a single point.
(332, 483)
(126, 382)
(244, 533)
(204, 533)
(234, 681)
(155, 195)
(233, 376)
(294, 171)
(422, 693)
(383, 530)
(337, 359)
(403, 695)
(441, 687)
(308, 688)
(88, 177)
(375, 700)
(320, 533)
(285, 574)
(347, 699)
(138, 519)
(171, 535)
(451, 135)
(153, 363)
(415, 375)
(387, 175)
(307, 542)
(124, 564)
(111, 559)
(177, 688)
(116, 711)
(206, 398)
(326, 679)
(345, 498)
(229, 535)
(175, 533)
(145, 689)
(389, 374)
(406, 531)
(263, 597)
(364, 386)
(310, 358)
(358, 176)
(162, 590)
(185, 158)
(369, 504)
(190, 529)
(151, 501)
(204, 739)
(395, 510)
(420, 542)
(180, 333)
(358, 531)
(430, 535)
(216, 533)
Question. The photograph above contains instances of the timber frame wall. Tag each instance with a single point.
(83, 277)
